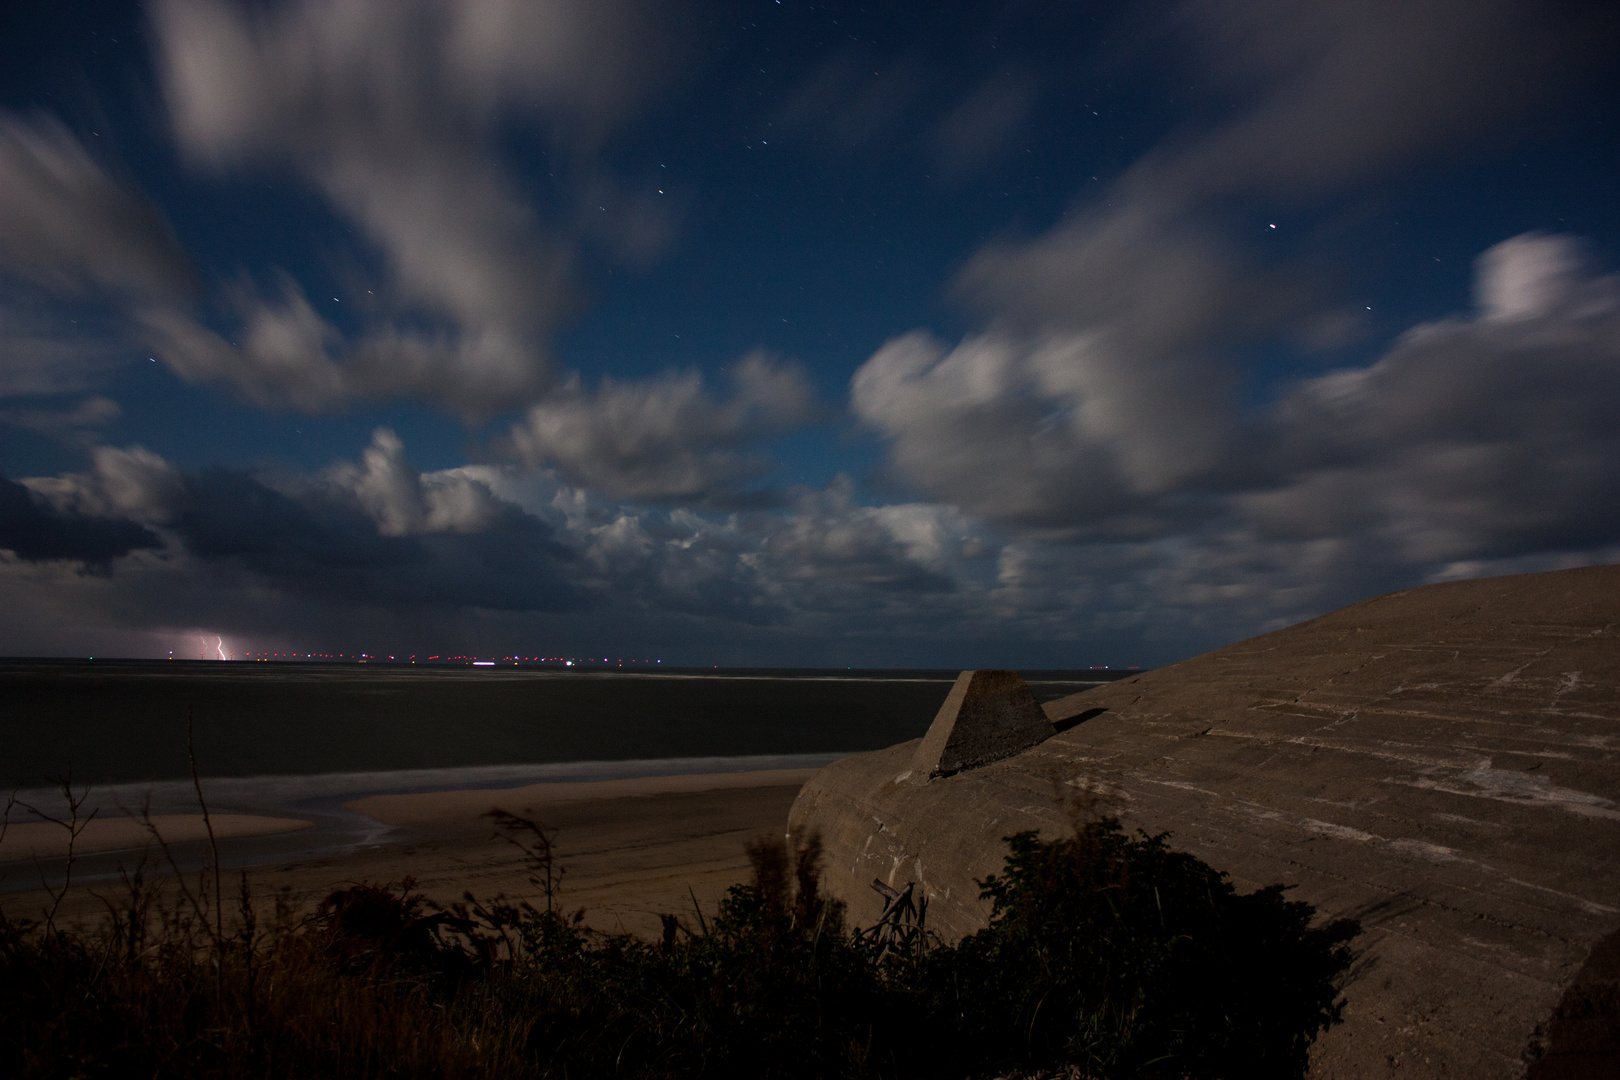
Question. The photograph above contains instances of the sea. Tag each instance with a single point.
(304, 738)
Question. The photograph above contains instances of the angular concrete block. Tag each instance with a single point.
(987, 716)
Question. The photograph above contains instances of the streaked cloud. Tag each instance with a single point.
(71, 228)
(1157, 423)
(392, 112)
(666, 437)
(1486, 435)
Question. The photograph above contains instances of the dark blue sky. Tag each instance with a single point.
(1035, 334)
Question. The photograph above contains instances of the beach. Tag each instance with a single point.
(317, 775)
(630, 847)
(24, 841)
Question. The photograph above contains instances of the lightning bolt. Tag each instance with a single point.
(219, 647)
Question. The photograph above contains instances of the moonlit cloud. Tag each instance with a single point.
(122, 482)
(404, 502)
(968, 426)
(49, 348)
(1100, 403)
(391, 110)
(288, 356)
(91, 412)
(33, 530)
(1481, 436)
(284, 359)
(666, 437)
(378, 535)
(69, 227)
(72, 235)
(1155, 423)
(1345, 91)
(1061, 431)
(1484, 439)
(1109, 370)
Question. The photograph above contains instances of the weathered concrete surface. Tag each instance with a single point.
(987, 716)
(1443, 764)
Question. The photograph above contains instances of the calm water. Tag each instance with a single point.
(304, 740)
(118, 722)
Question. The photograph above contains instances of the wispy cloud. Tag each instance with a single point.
(70, 227)
(78, 246)
(1099, 459)
(1480, 436)
(392, 111)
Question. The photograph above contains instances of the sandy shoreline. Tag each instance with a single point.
(421, 808)
(630, 848)
(46, 840)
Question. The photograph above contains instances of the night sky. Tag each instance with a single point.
(775, 333)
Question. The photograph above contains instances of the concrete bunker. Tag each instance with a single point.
(1442, 764)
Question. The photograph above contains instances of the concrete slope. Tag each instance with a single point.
(1441, 763)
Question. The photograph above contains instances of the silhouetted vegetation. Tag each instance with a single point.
(1126, 958)
(1106, 956)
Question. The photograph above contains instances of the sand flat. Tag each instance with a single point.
(422, 808)
(629, 849)
(45, 840)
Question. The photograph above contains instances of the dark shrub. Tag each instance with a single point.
(367, 924)
(771, 986)
(1125, 958)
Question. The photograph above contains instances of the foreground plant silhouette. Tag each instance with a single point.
(1125, 958)
(1109, 955)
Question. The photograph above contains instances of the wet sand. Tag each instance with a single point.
(27, 840)
(630, 849)
(440, 807)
